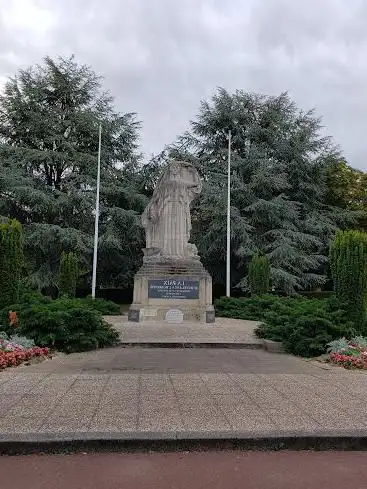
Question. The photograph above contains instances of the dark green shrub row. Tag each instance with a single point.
(317, 294)
(305, 326)
(106, 308)
(65, 324)
(102, 306)
(65, 329)
(251, 308)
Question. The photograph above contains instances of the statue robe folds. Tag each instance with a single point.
(166, 219)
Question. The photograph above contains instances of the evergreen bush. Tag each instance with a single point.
(68, 329)
(105, 307)
(304, 326)
(68, 274)
(48, 308)
(348, 262)
(259, 274)
(252, 308)
(11, 261)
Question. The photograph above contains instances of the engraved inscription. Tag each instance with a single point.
(173, 289)
(174, 316)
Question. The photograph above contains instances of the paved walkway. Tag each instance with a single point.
(215, 470)
(223, 331)
(159, 393)
(174, 361)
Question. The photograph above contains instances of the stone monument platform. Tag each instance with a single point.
(172, 285)
(173, 291)
(225, 333)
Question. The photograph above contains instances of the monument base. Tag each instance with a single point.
(172, 291)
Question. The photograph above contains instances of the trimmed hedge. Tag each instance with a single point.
(259, 274)
(11, 261)
(348, 262)
(68, 274)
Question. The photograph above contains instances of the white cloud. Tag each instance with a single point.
(28, 18)
(161, 57)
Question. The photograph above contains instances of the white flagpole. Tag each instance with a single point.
(228, 277)
(96, 221)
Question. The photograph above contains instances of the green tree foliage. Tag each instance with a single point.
(68, 274)
(49, 117)
(259, 274)
(279, 172)
(347, 186)
(11, 261)
(347, 189)
(348, 261)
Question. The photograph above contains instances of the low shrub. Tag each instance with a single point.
(66, 328)
(31, 298)
(304, 326)
(337, 345)
(317, 294)
(310, 335)
(251, 308)
(359, 342)
(67, 324)
(105, 307)
(102, 306)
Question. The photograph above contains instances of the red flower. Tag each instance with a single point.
(19, 355)
(348, 361)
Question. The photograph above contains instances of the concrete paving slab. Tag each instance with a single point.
(224, 331)
(164, 393)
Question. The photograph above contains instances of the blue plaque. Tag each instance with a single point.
(172, 288)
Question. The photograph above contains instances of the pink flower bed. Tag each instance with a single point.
(12, 354)
(349, 361)
(350, 356)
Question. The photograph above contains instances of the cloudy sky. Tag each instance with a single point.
(161, 57)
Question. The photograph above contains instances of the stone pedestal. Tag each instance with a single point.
(172, 284)
(172, 290)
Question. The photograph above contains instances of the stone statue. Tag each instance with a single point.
(166, 219)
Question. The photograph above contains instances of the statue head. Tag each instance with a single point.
(174, 169)
(182, 172)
